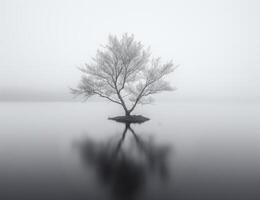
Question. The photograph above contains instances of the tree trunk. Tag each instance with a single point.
(127, 113)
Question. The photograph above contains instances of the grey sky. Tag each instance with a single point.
(216, 43)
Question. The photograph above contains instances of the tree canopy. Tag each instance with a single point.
(123, 72)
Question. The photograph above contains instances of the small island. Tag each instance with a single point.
(130, 119)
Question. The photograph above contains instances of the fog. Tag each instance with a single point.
(216, 44)
(200, 142)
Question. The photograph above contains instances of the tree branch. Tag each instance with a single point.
(101, 95)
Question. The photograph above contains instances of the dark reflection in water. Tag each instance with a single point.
(124, 168)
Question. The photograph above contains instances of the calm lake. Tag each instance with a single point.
(71, 151)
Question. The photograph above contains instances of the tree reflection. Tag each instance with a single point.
(125, 167)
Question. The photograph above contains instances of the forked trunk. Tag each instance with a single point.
(127, 113)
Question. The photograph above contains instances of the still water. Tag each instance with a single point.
(70, 151)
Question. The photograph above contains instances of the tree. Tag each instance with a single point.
(124, 73)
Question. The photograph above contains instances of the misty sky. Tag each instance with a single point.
(216, 44)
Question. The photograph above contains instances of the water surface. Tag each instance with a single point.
(186, 151)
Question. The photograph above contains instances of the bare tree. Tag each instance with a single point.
(124, 73)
